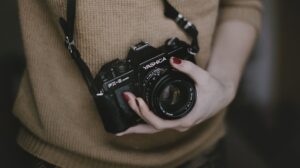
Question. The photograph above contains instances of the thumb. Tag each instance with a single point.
(187, 67)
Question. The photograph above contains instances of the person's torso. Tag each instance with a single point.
(54, 102)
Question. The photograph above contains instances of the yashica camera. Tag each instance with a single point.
(147, 73)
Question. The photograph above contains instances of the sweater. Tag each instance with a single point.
(60, 122)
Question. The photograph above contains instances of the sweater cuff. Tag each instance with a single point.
(248, 15)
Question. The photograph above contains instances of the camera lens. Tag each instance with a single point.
(171, 96)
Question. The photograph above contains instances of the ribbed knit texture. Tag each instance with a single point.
(60, 122)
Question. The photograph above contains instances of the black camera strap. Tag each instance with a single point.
(68, 28)
(184, 24)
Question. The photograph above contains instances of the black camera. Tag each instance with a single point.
(147, 73)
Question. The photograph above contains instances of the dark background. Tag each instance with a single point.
(263, 122)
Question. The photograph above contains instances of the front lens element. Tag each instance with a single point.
(169, 94)
(172, 97)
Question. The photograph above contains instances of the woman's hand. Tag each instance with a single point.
(212, 96)
(215, 87)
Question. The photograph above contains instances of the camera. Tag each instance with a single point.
(147, 73)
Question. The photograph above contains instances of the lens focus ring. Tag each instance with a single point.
(169, 94)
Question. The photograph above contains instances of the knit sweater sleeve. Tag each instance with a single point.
(244, 10)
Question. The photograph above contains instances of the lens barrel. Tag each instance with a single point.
(171, 95)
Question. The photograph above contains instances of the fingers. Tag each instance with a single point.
(142, 109)
(133, 104)
(187, 67)
(143, 129)
(139, 129)
(156, 123)
(154, 120)
(130, 98)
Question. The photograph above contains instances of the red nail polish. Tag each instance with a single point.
(125, 97)
(176, 60)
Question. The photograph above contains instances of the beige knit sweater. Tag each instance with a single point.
(60, 122)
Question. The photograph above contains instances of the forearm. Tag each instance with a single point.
(231, 49)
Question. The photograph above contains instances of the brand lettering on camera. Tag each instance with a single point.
(116, 82)
(156, 62)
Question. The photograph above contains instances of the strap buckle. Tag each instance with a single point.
(69, 44)
(100, 93)
(192, 51)
(183, 22)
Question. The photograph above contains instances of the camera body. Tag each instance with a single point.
(147, 73)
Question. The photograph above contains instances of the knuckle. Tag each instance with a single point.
(186, 124)
(159, 126)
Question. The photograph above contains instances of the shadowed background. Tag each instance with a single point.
(263, 121)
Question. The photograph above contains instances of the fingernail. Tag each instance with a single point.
(125, 97)
(176, 60)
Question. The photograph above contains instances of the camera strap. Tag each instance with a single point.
(69, 24)
(184, 24)
(68, 28)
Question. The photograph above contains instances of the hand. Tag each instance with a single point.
(212, 96)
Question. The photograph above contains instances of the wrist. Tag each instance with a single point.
(230, 90)
(229, 86)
